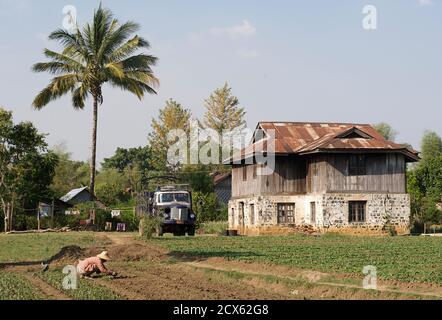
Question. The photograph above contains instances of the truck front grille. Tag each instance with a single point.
(179, 213)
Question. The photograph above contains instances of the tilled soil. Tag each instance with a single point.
(148, 272)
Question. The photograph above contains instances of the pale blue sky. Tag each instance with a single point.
(286, 60)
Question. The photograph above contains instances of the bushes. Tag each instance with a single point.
(149, 226)
(214, 227)
(101, 217)
(206, 207)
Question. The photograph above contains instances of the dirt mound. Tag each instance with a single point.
(67, 254)
(134, 252)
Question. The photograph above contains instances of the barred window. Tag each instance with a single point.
(286, 213)
(357, 166)
(356, 211)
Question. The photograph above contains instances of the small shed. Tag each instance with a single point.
(80, 195)
(223, 187)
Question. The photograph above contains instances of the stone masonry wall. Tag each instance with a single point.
(331, 213)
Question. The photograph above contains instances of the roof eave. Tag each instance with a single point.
(411, 157)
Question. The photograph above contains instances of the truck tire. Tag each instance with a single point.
(179, 231)
(191, 231)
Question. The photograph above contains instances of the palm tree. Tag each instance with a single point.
(103, 51)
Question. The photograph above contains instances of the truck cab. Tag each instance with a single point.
(173, 204)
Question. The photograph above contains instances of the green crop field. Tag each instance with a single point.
(30, 247)
(15, 287)
(410, 259)
(86, 288)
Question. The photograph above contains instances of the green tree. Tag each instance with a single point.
(206, 207)
(103, 51)
(223, 111)
(431, 146)
(224, 115)
(198, 177)
(135, 163)
(112, 187)
(26, 166)
(172, 117)
(386, 131)
(69, 174)
(424, 184)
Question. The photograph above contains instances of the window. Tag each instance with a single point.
(244, 173)
(255, 171)
(313, 213)
(357, 165)
(356, 211)
(171, 197)
(286, 213)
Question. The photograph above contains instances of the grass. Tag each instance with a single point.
(30, 247)
(86, 288)
(215, 227)
(409, 259)
(15, 287)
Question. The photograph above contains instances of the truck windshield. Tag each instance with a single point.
(171, 197)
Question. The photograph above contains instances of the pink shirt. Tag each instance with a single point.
(91, 264)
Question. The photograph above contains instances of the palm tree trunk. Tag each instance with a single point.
(94, 147)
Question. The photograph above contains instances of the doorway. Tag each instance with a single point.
(313, 213)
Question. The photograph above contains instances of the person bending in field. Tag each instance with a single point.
(89, 266)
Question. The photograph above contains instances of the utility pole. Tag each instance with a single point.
(11, 214)
(38, 218)
(52, 213)
(7, 217)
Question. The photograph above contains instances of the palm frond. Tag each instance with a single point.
(128, 48)
(145, 77)
(103, 19)
(53, 67)
(74, 61)
(79, 96)
(132, 85)
(117, 38)
(58, 87)
(69, 40)
(114, 69)
(140, 61)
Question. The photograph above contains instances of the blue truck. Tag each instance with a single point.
(173, 204)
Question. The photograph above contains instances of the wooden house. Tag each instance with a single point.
(330, 176)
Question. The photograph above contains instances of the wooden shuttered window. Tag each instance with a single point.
(357, 165)
(286, 213)
(357, 211)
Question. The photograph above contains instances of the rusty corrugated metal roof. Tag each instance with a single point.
(304, 138)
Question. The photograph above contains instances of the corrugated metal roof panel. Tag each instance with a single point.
(302, 137)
